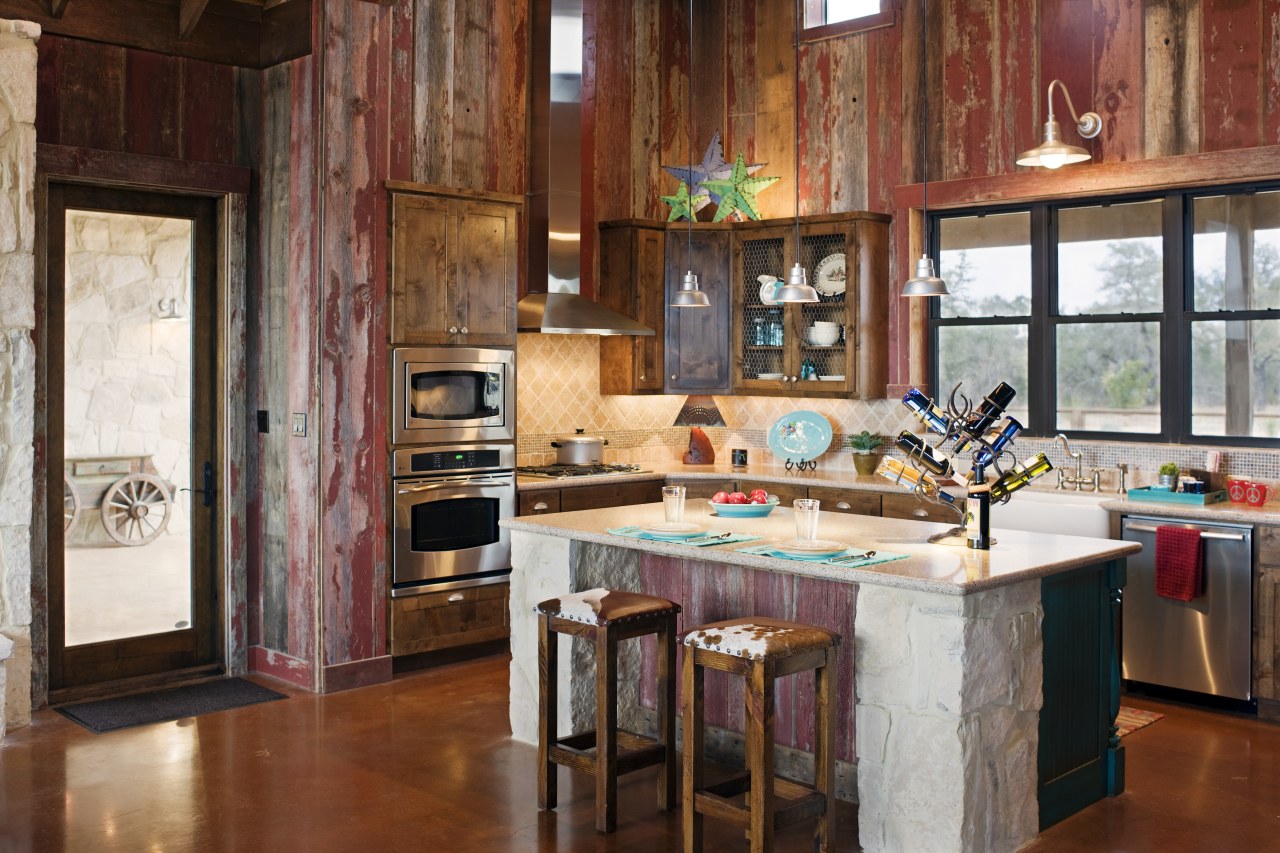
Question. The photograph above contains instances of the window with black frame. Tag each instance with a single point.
(1152, 318)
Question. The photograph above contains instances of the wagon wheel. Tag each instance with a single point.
(70, 502)
(136, 509)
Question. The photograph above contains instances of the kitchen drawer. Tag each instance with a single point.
(610, 494)
(1268, 539)
(786, 492)
(538, 503)
(846, 500)
(701, 489)
(909, 506)
(442, 620)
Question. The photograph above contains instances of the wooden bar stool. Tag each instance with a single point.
(760, 650)
(606, 617)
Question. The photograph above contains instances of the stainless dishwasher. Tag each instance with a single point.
(1203, 644)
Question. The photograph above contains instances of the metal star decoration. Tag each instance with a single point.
(683, 205)
(738, 191)
(712, 167)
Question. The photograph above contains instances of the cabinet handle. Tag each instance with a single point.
(463, 330)
(453, 330)
(540, 506)
(794, 378)
(456, 597)
(843, 505)
(642, 376)
(920, 513)
(673, 376)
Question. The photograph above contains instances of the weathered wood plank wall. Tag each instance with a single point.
(93, 95)
(1167, 76)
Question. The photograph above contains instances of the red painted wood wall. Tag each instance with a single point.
(1169, 77)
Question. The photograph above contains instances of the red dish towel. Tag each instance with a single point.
(1179, 567)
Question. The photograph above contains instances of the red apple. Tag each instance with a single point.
(737, 498)
(720, 498)
(761, 499)
(758, 493)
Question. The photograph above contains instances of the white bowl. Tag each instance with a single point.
(823, 324)
(821, 336)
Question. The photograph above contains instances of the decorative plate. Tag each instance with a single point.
(675, 529)
(768, 287)
(829, 275)
(744, 510)
(810, 547)
(800, 436)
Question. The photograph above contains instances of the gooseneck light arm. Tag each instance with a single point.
(1089, 124)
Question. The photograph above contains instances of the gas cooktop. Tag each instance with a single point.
(564, 472)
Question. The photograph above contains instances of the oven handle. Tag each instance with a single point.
(451, 483)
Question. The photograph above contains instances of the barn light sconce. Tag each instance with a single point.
(924, 282)
(1053, 152)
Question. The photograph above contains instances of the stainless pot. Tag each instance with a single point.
(579, 449)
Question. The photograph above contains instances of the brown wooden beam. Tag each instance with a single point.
(56, 7)
(189, 13)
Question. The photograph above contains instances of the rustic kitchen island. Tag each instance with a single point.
(977, 690)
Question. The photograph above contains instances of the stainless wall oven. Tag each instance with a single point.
(441, 394)
(447, 503)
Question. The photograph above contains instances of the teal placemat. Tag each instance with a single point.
(711, 537)
(771, 551)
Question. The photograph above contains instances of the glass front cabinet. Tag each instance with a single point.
(835, 347)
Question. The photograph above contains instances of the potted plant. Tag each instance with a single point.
(864, 445)
(1168, 475)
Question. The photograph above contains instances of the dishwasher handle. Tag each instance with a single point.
(1204, 534)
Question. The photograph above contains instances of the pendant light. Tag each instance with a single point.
(924, 282)
(690, 295)
(1053, 152)
(797, 288)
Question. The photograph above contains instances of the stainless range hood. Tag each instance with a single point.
(555, 181)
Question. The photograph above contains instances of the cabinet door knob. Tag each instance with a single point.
(456, 597)
(453, 330)
(920, 513)
(673, 376)
(463, 330)
(540, 506)
(642, 376)
(794, 378)
(843, 505)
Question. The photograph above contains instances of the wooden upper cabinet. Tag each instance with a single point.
(846, 257)
(631, 283)
(696, 344)
(453, 267)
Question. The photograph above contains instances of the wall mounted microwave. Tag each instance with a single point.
(441, 394)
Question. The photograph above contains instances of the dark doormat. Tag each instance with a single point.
(107, 715)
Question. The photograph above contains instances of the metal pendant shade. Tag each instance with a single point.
(924, 282)
(797, 288)
(689, 295)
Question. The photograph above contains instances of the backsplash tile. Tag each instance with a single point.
(558, 381)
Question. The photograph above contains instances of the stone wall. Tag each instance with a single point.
(17, 362)
(949, 694)
(128, 371)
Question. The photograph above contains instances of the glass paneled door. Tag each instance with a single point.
(132, 429)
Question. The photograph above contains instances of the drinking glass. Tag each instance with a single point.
(673, 502)
(806, 511)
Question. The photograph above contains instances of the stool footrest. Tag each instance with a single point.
(712, 804)
(635, 751)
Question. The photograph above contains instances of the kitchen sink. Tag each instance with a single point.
(1072, 513)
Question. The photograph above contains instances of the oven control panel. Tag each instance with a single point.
(412, 461)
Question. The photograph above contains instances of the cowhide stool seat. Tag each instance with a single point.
(606, 617)
(760, 650)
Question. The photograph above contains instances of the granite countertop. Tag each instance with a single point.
(756, 473)
(946, 569)
(1224, 512)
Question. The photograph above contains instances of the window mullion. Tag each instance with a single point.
(1175, 336)
(1042, 394)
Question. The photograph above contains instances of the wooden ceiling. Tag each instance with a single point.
(248, 33)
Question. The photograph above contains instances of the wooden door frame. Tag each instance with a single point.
(229, 187)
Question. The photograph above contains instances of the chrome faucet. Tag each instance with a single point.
(1079, 480)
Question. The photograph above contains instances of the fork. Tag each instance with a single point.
(702, 540)
(853, 558)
